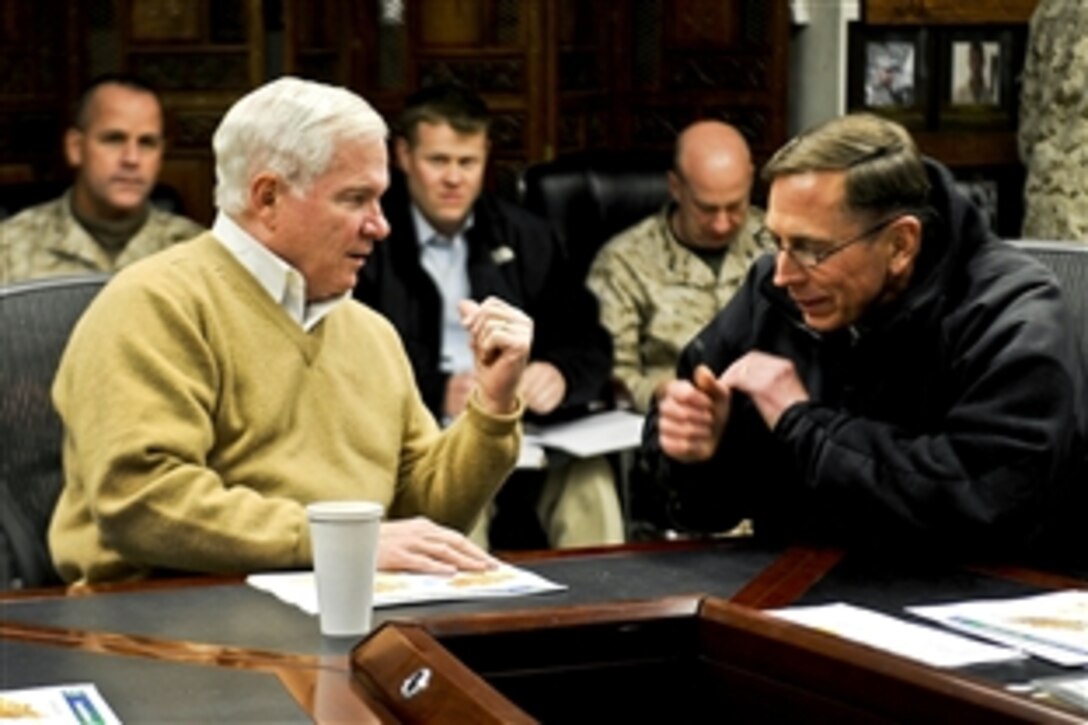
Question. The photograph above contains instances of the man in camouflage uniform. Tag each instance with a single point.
(663, 279)
(1054, 122)
(105, 220)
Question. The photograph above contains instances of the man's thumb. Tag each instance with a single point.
(704, 380)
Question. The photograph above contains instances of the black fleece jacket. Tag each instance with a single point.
(952, 417)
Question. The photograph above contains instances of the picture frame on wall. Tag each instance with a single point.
(889, 73)
(977, 84)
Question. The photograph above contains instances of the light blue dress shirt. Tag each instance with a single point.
(446, 261)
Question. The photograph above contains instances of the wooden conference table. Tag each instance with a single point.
(643, 632)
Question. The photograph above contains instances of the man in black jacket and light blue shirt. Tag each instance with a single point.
(451, 241)
(894, 375)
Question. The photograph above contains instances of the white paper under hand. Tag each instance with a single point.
(399, 588)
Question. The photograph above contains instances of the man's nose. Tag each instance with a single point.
(375, 225)
(786, 269)
(453, 175)
(722, 223)
(130, 152)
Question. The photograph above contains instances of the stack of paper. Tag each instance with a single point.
(923, 644)
(399, 588)
(592, 435)
(1052, 626)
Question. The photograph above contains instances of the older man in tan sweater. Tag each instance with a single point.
(213, 390)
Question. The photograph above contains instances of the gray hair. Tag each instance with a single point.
(289, 127)
(884, 171)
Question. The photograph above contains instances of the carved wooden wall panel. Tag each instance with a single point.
(164, 20)
(502, 75)
(559, 75)
(34, 89)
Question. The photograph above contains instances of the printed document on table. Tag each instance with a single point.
(393, 589)
(913, 641)
(79, 703)
(592, 435)
(1053, 626)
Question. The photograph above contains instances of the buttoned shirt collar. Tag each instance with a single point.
(283, 283)
(427, 234)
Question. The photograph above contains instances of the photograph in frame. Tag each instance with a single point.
(976, 72)
(977, 88)
(888, 73)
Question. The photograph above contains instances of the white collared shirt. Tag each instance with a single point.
(284, 283)
(446, 261)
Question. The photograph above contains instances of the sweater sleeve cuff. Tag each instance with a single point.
(491, 423)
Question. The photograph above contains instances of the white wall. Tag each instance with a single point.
(818, 57)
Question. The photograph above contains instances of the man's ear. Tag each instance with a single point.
(264, 196)
(906, 243)
(403, 152)
(73, 147)
(674, 185)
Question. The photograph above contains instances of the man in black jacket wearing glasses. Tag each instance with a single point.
(894, 375)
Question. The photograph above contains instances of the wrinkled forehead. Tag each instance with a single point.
(807, 199)
(361, 161)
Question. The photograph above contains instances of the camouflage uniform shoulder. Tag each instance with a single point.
(46, 215)
(173, 226)
(635, 236)
(21, 255)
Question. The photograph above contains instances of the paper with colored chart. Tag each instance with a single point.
(1052, 626)
(78, 703)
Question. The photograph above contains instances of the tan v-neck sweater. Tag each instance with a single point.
(200, 419)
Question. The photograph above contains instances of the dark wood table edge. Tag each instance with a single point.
(788, 577)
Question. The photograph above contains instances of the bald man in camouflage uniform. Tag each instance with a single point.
(105, 221)
(663, 279)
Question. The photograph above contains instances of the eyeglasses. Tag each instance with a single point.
(807, 255)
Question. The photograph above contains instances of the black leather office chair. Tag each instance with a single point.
(1069, 262)
(592, 195)
(36, 319)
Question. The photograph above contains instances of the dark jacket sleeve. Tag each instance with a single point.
(978, 454)
(715, 495)
(963, 430)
